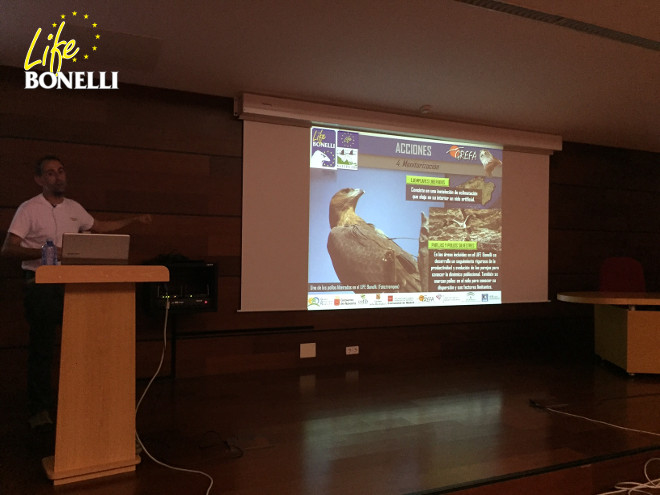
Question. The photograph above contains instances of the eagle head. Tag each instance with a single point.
(342, 203)
(488, 161)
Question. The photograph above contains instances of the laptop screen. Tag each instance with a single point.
(95, 249)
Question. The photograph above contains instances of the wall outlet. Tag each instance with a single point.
(352, 349)
(308, 350)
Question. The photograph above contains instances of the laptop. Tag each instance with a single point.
(95, 249)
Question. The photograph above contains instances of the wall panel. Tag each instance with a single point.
(178, 156)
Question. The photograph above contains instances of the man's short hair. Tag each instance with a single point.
(39, 166)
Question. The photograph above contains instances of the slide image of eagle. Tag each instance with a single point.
(362, 253)
(488, 161)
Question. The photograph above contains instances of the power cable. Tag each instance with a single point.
(144, 393)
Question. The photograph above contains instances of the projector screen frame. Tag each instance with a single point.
(263, 286)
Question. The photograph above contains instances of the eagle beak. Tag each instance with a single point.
(356, 194)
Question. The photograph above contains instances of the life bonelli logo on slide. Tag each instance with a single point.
(51, 51)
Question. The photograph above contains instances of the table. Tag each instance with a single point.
(624, 334)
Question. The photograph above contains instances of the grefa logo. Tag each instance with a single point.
(56, 50)
(459, 153)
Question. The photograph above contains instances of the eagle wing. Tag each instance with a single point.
(362, 255)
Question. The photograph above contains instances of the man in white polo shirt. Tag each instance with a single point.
(47, 216)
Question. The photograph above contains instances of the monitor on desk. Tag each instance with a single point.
(95, 249)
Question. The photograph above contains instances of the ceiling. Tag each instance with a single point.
(596, 81)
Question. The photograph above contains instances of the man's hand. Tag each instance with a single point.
(12, 248)
(105, 226)
(146, 218)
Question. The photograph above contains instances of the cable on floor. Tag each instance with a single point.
(633, 488)
(137, 407)
(625, 487)
(597, 421)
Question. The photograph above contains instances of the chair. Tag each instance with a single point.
(621, 274)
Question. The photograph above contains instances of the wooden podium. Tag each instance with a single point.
(95, 431)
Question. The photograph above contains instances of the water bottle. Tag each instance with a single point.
(49, 253)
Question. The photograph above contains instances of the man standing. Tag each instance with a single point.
(47, 216)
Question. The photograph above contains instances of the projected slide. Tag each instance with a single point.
(399, 221)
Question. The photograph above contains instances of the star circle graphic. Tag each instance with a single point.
(87, 45)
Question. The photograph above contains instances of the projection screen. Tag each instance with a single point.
(486, 234)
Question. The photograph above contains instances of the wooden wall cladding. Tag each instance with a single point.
(380, 346)
(178, 157)
(105, 178)
(131, 151)
(600, 199)
(131, 117)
